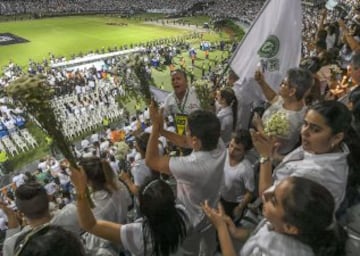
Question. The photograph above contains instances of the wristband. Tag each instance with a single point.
(264, 159)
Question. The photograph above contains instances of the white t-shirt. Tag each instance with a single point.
(3, 220)
(225, 116)
(43, 166)
(329, 170)
(19, 179)
(51, 188)
(295, 118)
(78, 89)
(63, 178)
(132, 235)
(131, 154)
(189, 103)
(104, 145)
(85, 143)
(140, 172)
(94, 137)
(55, 168)
(237, 180)
(111, 207)
(265, 241)
(199, 177)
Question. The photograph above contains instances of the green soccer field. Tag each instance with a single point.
(64, 36)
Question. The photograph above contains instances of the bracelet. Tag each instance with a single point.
(264, 159)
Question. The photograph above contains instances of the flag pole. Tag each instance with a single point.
(247, 33)
(243, 39)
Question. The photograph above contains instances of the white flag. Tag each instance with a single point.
(158, 94)
(273, 43)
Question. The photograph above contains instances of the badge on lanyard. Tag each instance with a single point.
(180, 122)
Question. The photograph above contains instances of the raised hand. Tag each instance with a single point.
(216, 216)
(156, 116)
(79, 179)
(263, 144)
(259, 77)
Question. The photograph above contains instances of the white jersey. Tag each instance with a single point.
(238, 180)
(199, 177)
(189, 103)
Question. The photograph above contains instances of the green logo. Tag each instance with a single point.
(270, 47)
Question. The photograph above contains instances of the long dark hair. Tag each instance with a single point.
(338, 117)
(310, 207)
(163, 223)
(99, 173)
(229, 95)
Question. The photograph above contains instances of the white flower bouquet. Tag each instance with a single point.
(277, 125)
(122, 149)
(205, 93)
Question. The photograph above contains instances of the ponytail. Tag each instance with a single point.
(229, 95)
(163, 222)
(234, 106)
(99, 173)
(109, 175)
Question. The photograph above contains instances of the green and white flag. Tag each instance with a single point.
(272, 44)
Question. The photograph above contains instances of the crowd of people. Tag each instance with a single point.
(286, 183)
(243, 10)
(228, 8)
(89, 93)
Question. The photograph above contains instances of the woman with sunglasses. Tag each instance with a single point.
(290, 102)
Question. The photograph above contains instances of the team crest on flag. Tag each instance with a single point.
(270, 47)
(268, 50)
(272, 44)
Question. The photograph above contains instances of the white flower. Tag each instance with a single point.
(277, 125)
(122, 149)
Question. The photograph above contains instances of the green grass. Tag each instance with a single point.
(70, 35)
(196, 20)
(64, 36)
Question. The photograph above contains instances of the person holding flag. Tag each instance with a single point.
(272, 45)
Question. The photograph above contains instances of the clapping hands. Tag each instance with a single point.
(156, 116)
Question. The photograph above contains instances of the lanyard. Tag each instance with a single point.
(181, 105)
